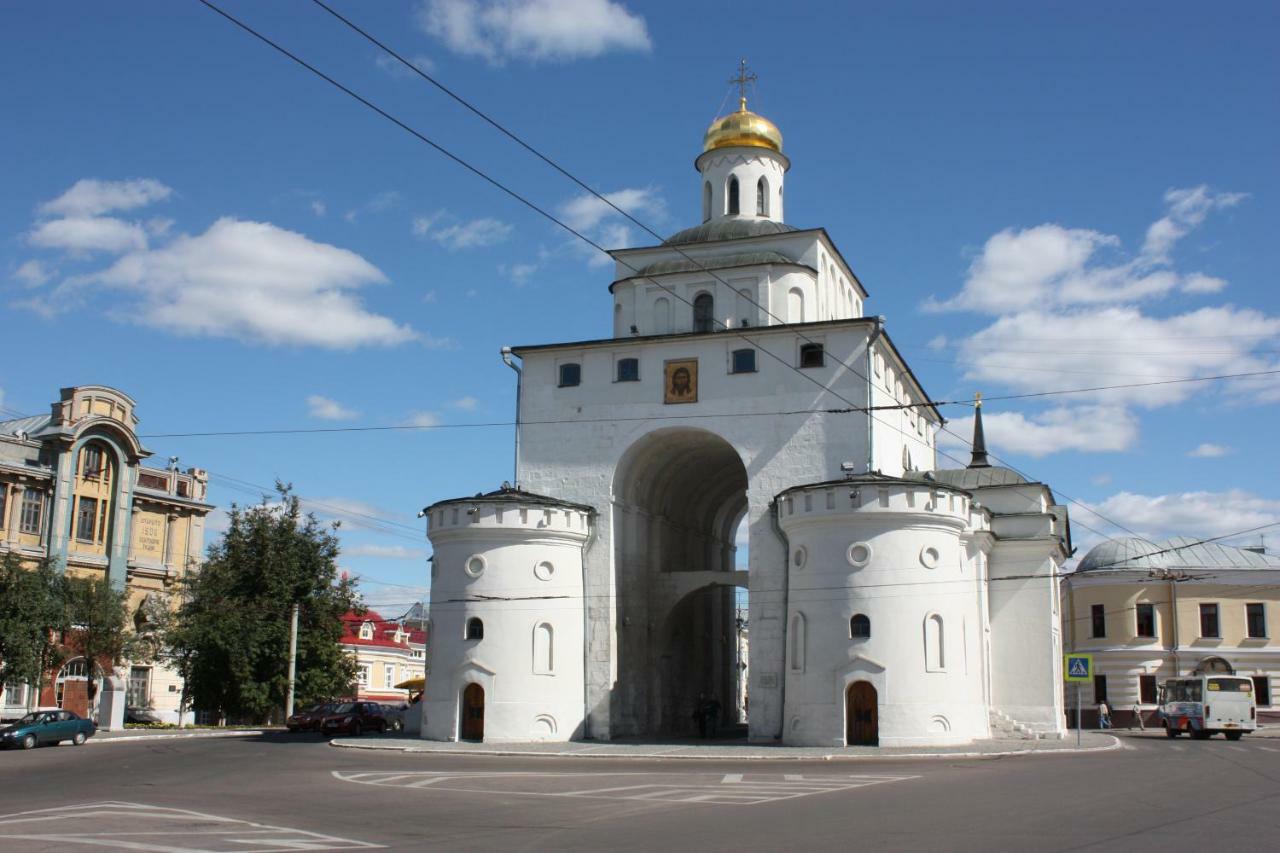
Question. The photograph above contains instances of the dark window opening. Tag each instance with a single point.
(706, 201)
(812, 355)
(570, 375)
(859, 627)
(92, 457)
(762, 198)
(628, 370)
(1099, 688)
(1256, 617)
(85, 515)
(1146, 614)
(733, 196)
(1261, 690)
(475, 629)
(704, 309)
(1098, 617)
(32, 510)
(1147, 689)
(744, 361)
(1209, 620)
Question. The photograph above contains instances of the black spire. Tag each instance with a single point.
(979, 459)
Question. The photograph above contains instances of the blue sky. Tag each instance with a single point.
(1038, 197)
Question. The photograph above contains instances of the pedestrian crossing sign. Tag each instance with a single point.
(1078, 667)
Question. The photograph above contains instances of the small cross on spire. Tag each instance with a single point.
(744, 77)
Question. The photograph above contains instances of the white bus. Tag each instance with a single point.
(1202, 705)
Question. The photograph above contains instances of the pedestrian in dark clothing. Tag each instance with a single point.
(712, 715)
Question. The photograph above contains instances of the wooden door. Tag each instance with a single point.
(473, 712)
(862, 724)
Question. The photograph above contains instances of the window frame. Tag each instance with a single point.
(1207, 610)
(561, 375)
(733, 197)
(1100, 689)
(807, 350)
(1261, 690)
(628, 361)
(859, 621)
(704, 312)
(1138, 609)
(1260, 609)
(1097, 620)
(733, 360)
(32, 514)
(389, 674)
(1148, 690)
(473, 635)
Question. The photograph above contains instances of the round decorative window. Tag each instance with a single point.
(799, 557)
(929, 557)
(474, 566)
(859, 554)
(544, 571)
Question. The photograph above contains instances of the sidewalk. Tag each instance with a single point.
(733, 750)
(172, 734)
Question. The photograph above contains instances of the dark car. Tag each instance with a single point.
(354, 718)
(47, 727)
(309, 720)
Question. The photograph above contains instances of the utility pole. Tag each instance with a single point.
(293, 660)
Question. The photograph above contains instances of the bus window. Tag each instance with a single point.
(1231, 685)
(1193, 691)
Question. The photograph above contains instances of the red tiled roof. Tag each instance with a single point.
(384, 631)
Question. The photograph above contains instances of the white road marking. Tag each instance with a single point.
(1238, 748)
(707, 788)
(1268, 749)
(179, 830)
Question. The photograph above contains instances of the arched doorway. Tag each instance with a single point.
(473, 712)
(861, 715)
(679, 495)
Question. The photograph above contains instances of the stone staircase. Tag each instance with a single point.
(1004, 727)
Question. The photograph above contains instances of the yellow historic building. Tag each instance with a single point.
(74, 487)
(1150, 611)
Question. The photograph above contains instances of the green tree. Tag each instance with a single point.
(232, 628)
(33, 615)
(97, 615)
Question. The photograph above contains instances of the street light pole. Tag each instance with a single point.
(293, 661)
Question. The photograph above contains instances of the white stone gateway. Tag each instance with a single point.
(890, 602)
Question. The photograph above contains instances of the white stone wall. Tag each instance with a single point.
(749, 166)
(527, 560)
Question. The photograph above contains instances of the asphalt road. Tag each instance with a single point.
(297, 793)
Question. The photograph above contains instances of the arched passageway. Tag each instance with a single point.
(472, 713)
(679, 495)
(862, 715)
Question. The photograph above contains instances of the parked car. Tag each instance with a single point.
(309, 720)
(144, 716)
(395, 716)
(354, 718)
(47, 727)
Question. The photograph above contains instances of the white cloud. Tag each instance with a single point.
(466, 404)
(1209, 451)
(385, 552)
(470, 235)
(89, 197)
(256, 282)
(1053, 266)
(379, 203)
(318, 207)
(939, 342)
(33, 273)
(1100, 479)
(1197, 514)
(422, 419)
(1089, 429)
(329, 410)
(89, 234)
(395, 67)
(557, 30)
(422, 225)
(587, 211)
(518, 273)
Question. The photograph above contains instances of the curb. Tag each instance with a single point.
(667, 756)
(179, 736)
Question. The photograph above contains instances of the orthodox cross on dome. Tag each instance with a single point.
(744, 77)
(979, 459)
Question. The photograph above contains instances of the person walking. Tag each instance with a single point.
(1137, 717)
(1104, 715)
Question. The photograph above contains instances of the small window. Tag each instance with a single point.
(362, 675)
(733, 196)
(389, 674)
(32, 510)
(628, 370)
(1261, 690)
(706, 201)
(1098, 617)
(812, 355)
(1209, 621)
(366, 631)
(1099, 688)
(704, 310)
(475, 629)
(1146, 615)
(570, 375)
(762, 197)
(1256, 617)
(86, 515)
(1147, 689)
(91, 458)
(859, 627)
(744, 361)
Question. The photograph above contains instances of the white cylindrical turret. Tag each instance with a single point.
(742, 168)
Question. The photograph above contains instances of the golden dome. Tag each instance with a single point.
(743, 129)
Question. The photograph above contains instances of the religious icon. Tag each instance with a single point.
(680, 381)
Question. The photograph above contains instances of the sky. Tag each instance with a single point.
(1038, 197)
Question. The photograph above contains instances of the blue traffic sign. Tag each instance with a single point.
(1078, 667)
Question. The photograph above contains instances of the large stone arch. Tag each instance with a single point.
(678, 497)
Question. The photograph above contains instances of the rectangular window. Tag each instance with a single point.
(1256, 617)
(1147, 689)
(628, 370)
(812, 355)
(139, 695)
(4, 505)
(389, 674)
(744, 361)
(362, 675)
(1262, 690)
(15, 694)
(1099, 688)
(32, 510)
(1098, 617)
(86, 514)
(570, 375)
(1146, 614)
(1209, 621)
(91, 459)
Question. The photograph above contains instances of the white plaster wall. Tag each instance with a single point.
(520, 704)
(748, 165)
(918, 704)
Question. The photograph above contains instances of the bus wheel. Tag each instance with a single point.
(1171, 732)
(1234, 735)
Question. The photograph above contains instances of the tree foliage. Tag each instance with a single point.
(97, 614)
(33, 615)
(231, 634)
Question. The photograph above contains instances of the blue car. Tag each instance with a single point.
(47, 727)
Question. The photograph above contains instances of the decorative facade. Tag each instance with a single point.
(888, 602)
(1150, 611)
(74, 488)
(387, 653)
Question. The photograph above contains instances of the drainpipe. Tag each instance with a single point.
(509, 360)
(586, 630)
(875, 334)
(774, 514)
(1173, 610)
